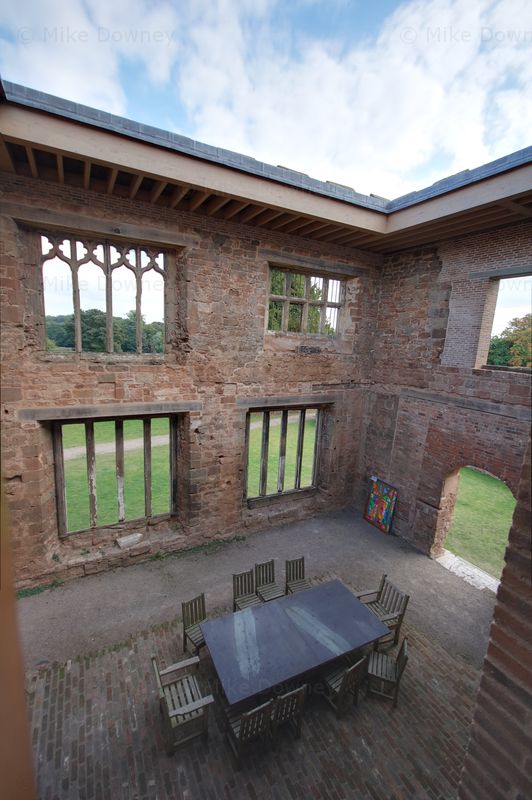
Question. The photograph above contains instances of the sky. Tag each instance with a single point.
(383, 96)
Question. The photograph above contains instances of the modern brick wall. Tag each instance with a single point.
(498, 763)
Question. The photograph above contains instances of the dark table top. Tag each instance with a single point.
(262, 646)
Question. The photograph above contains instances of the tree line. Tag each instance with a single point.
(60, 333)
(513, 348)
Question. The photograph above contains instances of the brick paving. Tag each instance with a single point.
(96, 733)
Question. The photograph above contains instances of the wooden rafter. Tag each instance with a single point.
(233, 209)
(215, 205)
(267, 216)
(289, 219)
(517, 208)
(178, 194)
(60, 168)
(113, 174)
(197, 200)
(135, 185)
(86, 174)
(251, 212)
(312, 227)
(157, 190)
(300, 222)
(30, 155)
(6, 162)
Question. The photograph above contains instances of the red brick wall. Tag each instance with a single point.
(499, 758)
(423, 418)
(220, 357)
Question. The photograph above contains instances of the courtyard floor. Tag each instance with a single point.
(93, 705)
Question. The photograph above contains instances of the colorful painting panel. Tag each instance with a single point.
(381, 504)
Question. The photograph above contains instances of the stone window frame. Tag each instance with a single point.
(174, 421)
(286, 299)
(123, 246)
(266, 410)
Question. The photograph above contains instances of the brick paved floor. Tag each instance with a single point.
(96, 734)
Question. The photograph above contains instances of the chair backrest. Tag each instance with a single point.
(392, 598)
(401, 660)
(353, 676)
(289, 706)
(295, 569)
(255, 722)
(243, 583)
(264, 573)
(193, 611)
(157, 676)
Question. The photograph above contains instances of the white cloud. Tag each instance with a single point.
(443, 86)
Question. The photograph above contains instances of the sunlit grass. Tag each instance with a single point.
(481, 521)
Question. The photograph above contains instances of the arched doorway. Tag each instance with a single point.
(478, 509)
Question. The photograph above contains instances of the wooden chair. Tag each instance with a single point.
(244, 590)
(288, 708)
(265, 585)
(342, 685)
(193, 612)
(388, 603)
(184, 710)
(295, 575)
(244, 728)
(385, 672)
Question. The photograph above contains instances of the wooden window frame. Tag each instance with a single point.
(265, 443)
(305, 302)
(74, 263)
(59, 465)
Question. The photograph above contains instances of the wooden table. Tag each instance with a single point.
(258, 648)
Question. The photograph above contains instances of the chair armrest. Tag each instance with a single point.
(189, 662)
(388, 617)
(195, 706)
(367, 593)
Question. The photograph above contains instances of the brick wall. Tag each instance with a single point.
(424, 419)
(499, 758)
(218, 358)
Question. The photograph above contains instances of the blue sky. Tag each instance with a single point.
(386, 96)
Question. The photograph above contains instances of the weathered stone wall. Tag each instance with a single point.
(424, 419)
(219, 356)
(498, 763)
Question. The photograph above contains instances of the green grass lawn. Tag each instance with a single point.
(273, 454)
(74, 434)
(481, 521)
(76, 484)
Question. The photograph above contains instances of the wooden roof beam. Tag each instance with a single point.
(6, 162)
(251, 213)
(233, 209)
(215, 205)
(134, 186)
(86, 174)
(267, 216)
(178, 194)
(197, 200)
(30, 155)
(111, 180)
(157, 190)
(60, 168)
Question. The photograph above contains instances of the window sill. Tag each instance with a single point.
(257, 502)
(108, 358)
(128, 526)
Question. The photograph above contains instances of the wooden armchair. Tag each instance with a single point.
(244, 728)
(288, 709)
(193, 612)
(388, 603)
(342, 685)
(244, 590)
(265, 585)
(295, 575)
(184, 710)
(385, 672)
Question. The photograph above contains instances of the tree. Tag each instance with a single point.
(514, 346)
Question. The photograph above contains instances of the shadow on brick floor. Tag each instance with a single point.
(97, 734)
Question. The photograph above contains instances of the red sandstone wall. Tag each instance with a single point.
(423, 418)
(219, 356)
(498, 763)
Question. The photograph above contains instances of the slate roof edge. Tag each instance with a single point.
(31, 98)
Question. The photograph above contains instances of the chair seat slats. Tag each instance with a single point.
(298, 586)
(247, 600)
(270, 591)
